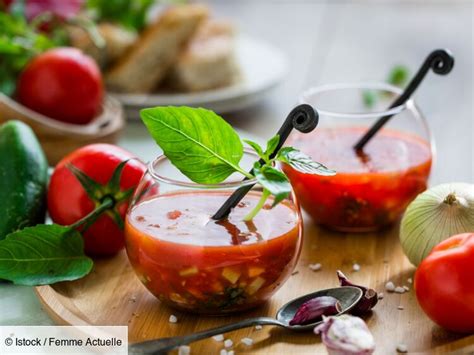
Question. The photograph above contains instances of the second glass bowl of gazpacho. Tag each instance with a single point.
(194, 263)
(370, 190)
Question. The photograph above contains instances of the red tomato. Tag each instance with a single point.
(64, 84)
(444, 283)
(68, 201)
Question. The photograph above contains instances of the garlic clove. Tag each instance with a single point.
(347, 335)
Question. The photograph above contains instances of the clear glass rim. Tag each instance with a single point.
(303, 99)
(225, 185)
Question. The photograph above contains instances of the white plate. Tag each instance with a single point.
(262, 65)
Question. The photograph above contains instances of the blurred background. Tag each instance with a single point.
(352, 41)
(255, 59)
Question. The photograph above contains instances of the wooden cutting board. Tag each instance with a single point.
(113, 295)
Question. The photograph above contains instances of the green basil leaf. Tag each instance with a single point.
(302, 162)
(398, 76)
(255, 146)
(273, 180)
(369, 97)
(43, 254)
(272, 144)
(198, 142)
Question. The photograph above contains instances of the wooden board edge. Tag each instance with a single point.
(59, 314)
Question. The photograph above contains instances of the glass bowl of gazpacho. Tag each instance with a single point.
(194, 263)
(371, 189)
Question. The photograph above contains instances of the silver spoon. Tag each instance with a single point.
(347, 296)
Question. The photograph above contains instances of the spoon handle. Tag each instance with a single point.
(160, 346)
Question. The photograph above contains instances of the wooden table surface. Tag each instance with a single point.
(113, 295)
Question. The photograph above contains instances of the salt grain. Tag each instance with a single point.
(219, 337)
(223, 352)
(184, 350)
(247, 341)
(406, 288)
(410, 280)
(399, 289)
(258, 327)
(402, 348)
(173, 319)
(230, 352)
(356, 267)
(380, 296)
(389, 286)
(315, 267)
(228, 343)
(400, 308)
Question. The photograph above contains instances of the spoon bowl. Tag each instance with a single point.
(347, 296)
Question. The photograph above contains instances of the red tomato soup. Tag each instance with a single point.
(192, 262)
(369, 191)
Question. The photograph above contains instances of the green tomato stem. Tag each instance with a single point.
(243, 172)
(106, 204)
(258, 206)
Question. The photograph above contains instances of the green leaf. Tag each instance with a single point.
(198, 142)
(255, 146)
(369, 97)
(273, 180)
(17, 8)
(19, 43)
(272, 144)
(398, 75)
(131, 14)
(302, 162)
(43, 254)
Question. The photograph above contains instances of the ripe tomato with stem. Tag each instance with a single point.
(87, 179)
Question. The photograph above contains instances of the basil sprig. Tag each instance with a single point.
(206, 149)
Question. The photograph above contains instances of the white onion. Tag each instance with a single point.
(434, 216)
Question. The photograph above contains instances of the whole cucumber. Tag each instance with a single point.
(23, 178)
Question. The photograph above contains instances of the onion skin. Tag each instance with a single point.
(312, 310)
(369, 297)
(435, 215)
